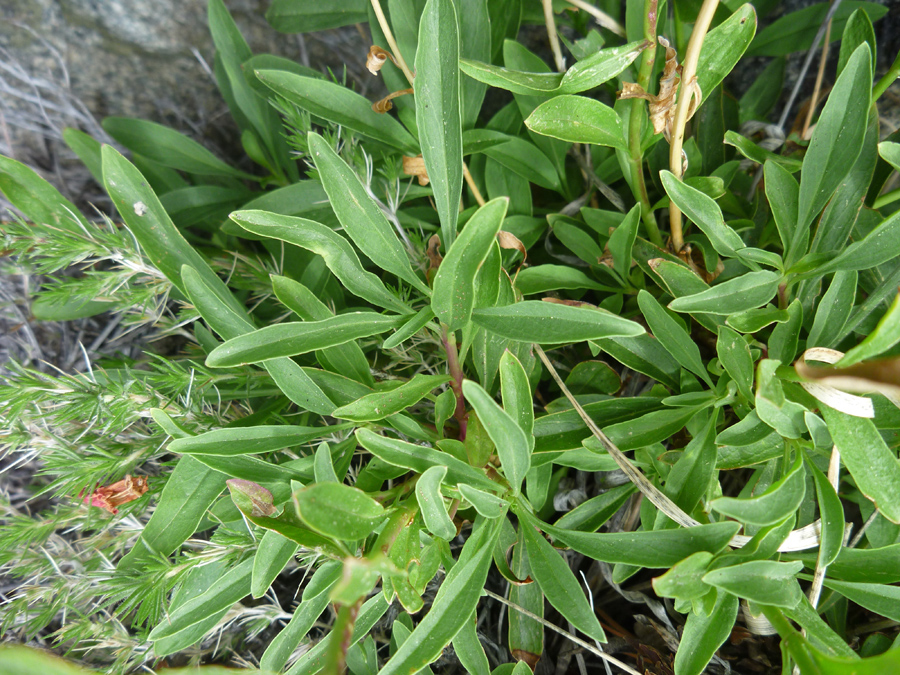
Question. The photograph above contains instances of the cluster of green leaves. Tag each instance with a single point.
(382, 340)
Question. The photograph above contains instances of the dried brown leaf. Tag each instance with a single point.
(415, 166)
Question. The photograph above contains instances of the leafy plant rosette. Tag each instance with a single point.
(436, 315)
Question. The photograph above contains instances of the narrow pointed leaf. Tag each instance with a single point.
(431, 504)
(250, 440)
(298, 337)
(763, 581)
(454, 285)
(379, 405)
(438, 115)
(703, 635)
(735, 295)
(336, 251)
(510, 441)
(361, 217)
(773, 506)
(705, 213)
(552, 323)
(516, 392)
(272, 555)
(672, 336)
(578, 119)
(487, 504)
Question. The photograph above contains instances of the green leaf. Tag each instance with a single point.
(578, 119)
(783, 194)
(831, 512)
(146, 218)
(705, 213)
(187, 623)
(656, 548)
(644, 354)
(734, 355)
(838, 136)
(168, 147)
(890, 152)
(487, 504)
(410, 328)
(543, 278)
(323, 466)
(454, 284)
(833, 310)
(338, 510)
(272, 555)
(337, 253)
(885, 336)
(508, 437)
(526, 160)
(586, 74)
(723, 47)
(773, 506)
(879, 598)
(621, 241)
(552, 323)
(760, 155)
(783, 415)
(453, 605)
(313, 603)
(868, 458)
(474, 43)
(794, 32)
(469, 650)
(438, 114)
(556, 580)
(690, 477)
(379, 405)
(857, 31)
(291, 16)
(298, 337)
(250, 440)
(590, 515)
(881, 245)
(703, 635)
(340, 105)
(735, 295)
(431, 503)
(420, 458)
(684, 580)
(361, 217)
(37, 199)
(289, 377)
(763, 581)
(672, 336)
(516, 392)
(189, 492)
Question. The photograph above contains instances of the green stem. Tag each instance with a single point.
(886, 199)
(892, 74)
(796, 643)
(636, 123)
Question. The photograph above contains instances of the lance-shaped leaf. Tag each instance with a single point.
(438, 115)
(734, 355)
(361, 217)
(379, 405)
(705, 213)
(453, 605)
(290, 16)
(299, 337)
(552, 323)
(338, 510)
(838, 136)
(831, 513)
(774, 505)
(885, 336)
(487, 504)
(250, 440)
(36, 198)
(703, 635)
(420, 458)
(764, 581)
(512, 445)
(186, 624)
(272, 555)
(867, 457)
(672, 336)
(168, 147)
(656, 548)
(735, 295)
(879, 246)
(454, 285)
(336, 103)
(289, 377)
(578, 119)
(723, 47)
(431, 503)
(516, 392)
(556, 579)
(336, 251)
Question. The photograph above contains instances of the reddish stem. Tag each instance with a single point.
(453, 365)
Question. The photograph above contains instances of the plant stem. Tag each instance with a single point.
(823, 60)
(550, 20)
(886, 198)
(449, 339)
(892, 74)
(636, 122)
(472, 186)
(389, 36)
(695, 44)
